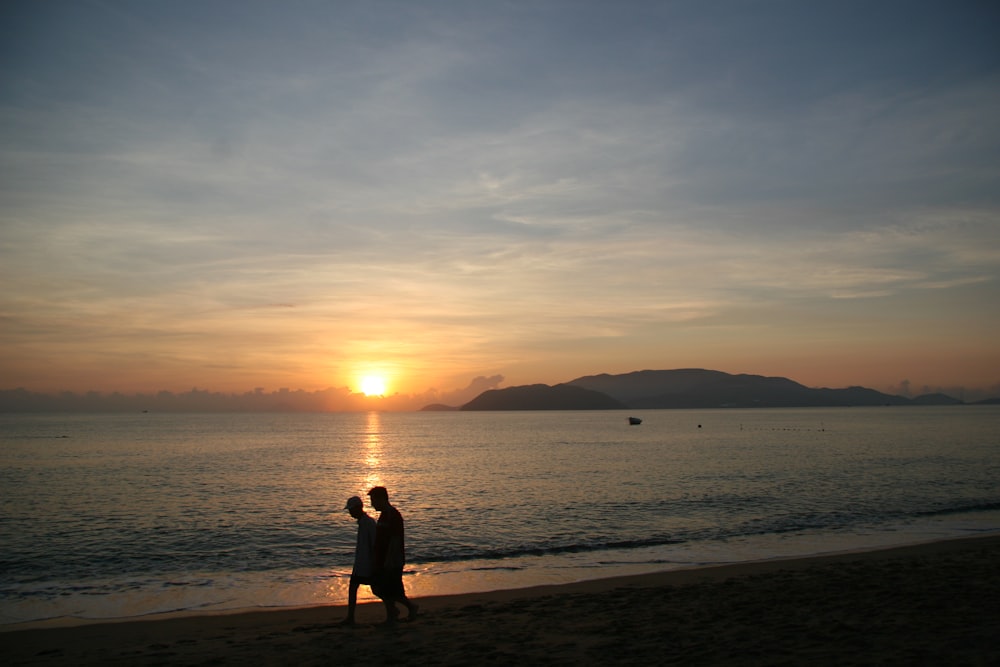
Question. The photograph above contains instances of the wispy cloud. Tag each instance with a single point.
(462, 191)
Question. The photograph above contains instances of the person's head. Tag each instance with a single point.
(379, 497)
(355, 506)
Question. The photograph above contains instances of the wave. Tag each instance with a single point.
(185, 567)
(543, 550)
(961, 509)
(833, 520)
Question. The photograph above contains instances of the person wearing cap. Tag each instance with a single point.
(363, 555)
(390, 556)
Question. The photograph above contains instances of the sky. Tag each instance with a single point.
(448, 195)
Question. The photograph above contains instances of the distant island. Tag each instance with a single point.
(543, 397)
(647, 389)
(683, 389)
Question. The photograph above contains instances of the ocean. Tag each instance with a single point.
(132, 515)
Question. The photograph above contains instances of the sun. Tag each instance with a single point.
(373, 385)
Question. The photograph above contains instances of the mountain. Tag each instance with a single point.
(936, 399)
(684, 388)
(698, 388)
(543, 397)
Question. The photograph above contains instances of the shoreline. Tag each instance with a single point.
(937, 599)
(317, 588)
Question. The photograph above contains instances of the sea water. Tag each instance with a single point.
(120, 516)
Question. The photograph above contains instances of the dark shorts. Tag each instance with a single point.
(388, 584)
(360, 581)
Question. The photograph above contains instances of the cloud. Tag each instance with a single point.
(484, 188)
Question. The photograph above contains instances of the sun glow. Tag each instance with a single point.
(373, 385)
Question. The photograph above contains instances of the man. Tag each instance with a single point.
(390, 556)
(364, 554)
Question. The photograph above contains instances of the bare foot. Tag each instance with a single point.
(414, 608)
(391, 614)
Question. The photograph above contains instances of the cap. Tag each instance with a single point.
(353, 502)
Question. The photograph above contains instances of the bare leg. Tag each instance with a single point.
(352, 602)
(391, 613)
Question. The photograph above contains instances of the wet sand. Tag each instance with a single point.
(931, 604)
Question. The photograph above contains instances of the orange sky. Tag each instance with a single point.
(238, 200)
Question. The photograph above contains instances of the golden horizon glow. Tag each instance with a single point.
(373, 385)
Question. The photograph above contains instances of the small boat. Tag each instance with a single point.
(634, 421)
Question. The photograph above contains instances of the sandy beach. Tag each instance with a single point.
(930, 604)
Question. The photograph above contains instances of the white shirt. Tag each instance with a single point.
(364, 552)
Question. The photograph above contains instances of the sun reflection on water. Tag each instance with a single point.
(372, 451)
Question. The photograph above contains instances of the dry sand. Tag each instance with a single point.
(932, 604)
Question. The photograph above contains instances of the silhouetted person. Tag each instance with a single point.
(364, 555)
(390, 556)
